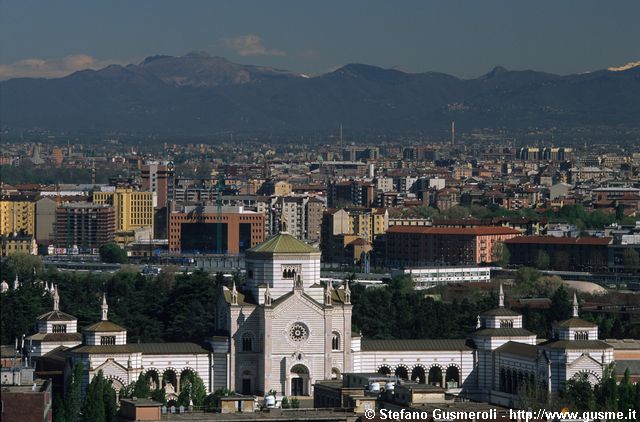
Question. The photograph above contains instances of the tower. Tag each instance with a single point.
(105, 308)
(453, 133)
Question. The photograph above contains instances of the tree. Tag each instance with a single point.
(94, 409)
(72, 399)
(626, 393)
(285, 403)
(184, 398)
(542, 260)
(141, 389)
(631, 260)
(112, 253)
(58, 411)
(159, 395)
(607, 390)
(527, 275)
(110, 402)
(560, 305)
(579, 393)
(22, 264)
(295, 403)
(501, 255)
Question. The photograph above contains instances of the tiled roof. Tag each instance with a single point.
(468, 231)
(632, 365)
(369, 345)
(145, 348)
(575, 322)
(519, 349)
(106, 326)
(56, 337)
(283, 243)
(503, 332)
(500, 312)
(585, 240)
(56, 316)
(576, 344)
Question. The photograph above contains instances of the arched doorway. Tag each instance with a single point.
(299, 380)
(335, 374)
(452, 377)
(170, 382)
(402, 373)
(153, 378)
(247, 382)
(435, 376)
(418, 375)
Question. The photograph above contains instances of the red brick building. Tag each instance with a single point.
(201, 229)
(417, 246)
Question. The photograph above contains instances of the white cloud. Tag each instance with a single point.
(250, 45)
(50, 68)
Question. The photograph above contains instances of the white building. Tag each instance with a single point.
(427, 277)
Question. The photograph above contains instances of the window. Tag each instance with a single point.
(506, 323)
(107, 340)
(581, 335)
(247, 343)
(60, 328)
(335, 341)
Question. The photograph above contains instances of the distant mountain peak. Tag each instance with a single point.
(498, 70)
(624, 67)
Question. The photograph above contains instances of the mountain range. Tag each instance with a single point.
(198, 94)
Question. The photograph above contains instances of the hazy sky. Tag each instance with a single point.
(464, 38)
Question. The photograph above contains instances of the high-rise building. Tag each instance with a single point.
(134, 209)
(160, 179)
(87, 226)
(17, 214)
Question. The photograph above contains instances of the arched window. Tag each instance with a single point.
(506, 323)
(335, 341)
(247, 342)
(581, 335)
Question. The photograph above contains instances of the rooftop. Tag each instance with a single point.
(369, 345)
(585, 240)
(468, 231)
(283, 243)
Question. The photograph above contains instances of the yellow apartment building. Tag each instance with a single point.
(134, 209)
(17, 215)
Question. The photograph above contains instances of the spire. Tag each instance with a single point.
(56, 299)
(501, 297)
(347, 292)
(327, 293)
(478, 323)
(575, 305)
(234, 294)
(16, 283)
(267, 296)
(105, 308)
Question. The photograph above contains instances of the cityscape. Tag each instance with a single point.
(186, 237)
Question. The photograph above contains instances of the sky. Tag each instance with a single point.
(463, 38)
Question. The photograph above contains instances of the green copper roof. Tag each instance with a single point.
(283, 243)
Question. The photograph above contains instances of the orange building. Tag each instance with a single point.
(204, 230)
(419, 246)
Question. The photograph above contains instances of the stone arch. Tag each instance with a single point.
(419, 374)
(170, 380)
(452, 376)
(384, 370)
(187, 373)
(591, 377)
(402, 372)
(435, 375)
(336, 374)
(300, 379)
(153, 377)
(116, 382)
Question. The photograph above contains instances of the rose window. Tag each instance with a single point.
(298, 332)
